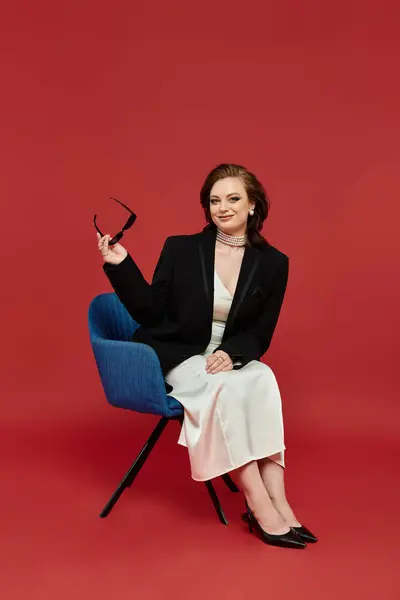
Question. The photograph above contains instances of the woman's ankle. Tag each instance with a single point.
(283, 507)
(267, 515)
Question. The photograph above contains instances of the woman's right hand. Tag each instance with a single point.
(113, 255)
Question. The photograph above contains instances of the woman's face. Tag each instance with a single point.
(230, 206)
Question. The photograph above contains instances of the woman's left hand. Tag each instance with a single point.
(220, 361)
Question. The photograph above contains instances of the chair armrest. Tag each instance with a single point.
(131, 376)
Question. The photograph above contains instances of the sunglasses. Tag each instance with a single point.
(127, 225)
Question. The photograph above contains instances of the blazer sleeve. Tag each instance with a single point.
(253, 341)
(146, 303)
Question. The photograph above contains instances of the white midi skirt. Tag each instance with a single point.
(231, 417)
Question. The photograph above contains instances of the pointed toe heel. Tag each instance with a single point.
(302, 532)
(289, 539)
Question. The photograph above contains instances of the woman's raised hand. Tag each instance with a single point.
(111, 254)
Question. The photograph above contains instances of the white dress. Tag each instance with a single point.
(231, 417)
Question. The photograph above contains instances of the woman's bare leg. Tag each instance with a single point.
(258, 499)
(272, 475)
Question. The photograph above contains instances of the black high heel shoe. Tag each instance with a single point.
(284, 540)
(305, 534)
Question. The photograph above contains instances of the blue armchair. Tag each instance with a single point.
(131, 376)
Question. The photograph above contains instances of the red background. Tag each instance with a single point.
(140, 101)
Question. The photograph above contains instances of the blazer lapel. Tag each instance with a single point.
(250, 262)
(207, 261)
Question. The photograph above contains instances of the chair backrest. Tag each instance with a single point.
(130, 373)
(109, 319)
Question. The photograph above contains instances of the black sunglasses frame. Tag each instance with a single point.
(127, 225)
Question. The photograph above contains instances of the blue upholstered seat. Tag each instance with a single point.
(129, 371)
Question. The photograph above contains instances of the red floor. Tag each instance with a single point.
(163, 540)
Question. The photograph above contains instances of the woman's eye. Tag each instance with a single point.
(234, 199)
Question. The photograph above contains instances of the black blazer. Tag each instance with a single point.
(175, 312)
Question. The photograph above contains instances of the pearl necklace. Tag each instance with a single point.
(231, 240)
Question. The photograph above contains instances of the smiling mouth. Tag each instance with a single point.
(224, 218)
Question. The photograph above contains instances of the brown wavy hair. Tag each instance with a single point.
(255, 192)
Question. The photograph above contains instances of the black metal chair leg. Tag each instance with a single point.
(230, 483)
(137, 465)
(216, 502)
(132, 473)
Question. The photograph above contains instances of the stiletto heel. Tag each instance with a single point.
(289, 539)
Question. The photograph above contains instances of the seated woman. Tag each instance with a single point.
(210, 314)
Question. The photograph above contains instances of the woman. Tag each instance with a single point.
(210, 314)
